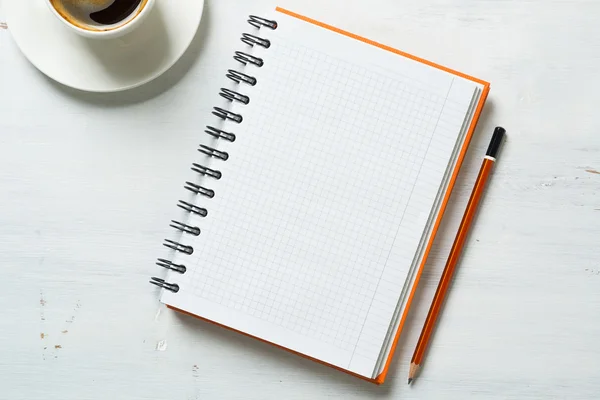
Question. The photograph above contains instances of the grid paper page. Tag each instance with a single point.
(324, 197)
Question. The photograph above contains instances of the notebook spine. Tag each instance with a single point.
(223, 114)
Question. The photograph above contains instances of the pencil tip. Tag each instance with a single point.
(412, 372)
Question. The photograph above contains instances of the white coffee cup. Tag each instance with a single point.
(92, 18)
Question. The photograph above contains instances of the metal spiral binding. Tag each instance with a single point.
(197, 189)
(220, 134)
(251, 40)
(182, 248)
(257, 22)
(225, 115)
(233, 95)
(192, 209)
(192, 230)
(239, 77)
(246, 58)
(161, 262)
(173, 287)
(202, 170)
(209, 151)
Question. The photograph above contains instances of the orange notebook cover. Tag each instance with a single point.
(457, 92)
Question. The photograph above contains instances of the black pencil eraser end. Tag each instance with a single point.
(496, 141)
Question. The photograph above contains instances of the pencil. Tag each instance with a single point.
(455, 251)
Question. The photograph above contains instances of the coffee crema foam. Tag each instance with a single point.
(98, 15)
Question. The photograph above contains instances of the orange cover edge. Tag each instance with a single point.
(380, 379)
(381, 46)
(274, 344)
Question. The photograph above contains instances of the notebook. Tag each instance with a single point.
(316, 191)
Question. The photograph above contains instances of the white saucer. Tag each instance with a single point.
(104, 65)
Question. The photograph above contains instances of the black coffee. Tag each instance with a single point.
(98, 14)
(116, 12)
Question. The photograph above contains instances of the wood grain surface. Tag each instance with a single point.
(88, 184)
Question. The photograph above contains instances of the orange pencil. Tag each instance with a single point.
(459, 241)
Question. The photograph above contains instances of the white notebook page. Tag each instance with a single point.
(325, 195)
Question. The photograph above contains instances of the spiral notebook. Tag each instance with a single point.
(317, 190)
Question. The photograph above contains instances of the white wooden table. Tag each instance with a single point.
(89, 182)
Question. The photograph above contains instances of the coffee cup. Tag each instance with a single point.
(101, 19)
